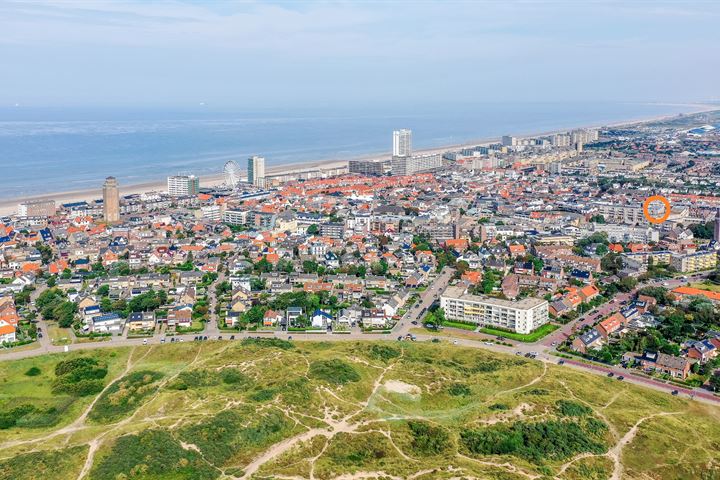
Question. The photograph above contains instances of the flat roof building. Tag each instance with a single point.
(37, 208)
(183, 185)
(521, 316)
(256, 171)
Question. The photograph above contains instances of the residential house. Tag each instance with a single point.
(590, 340)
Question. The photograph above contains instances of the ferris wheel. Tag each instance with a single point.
(231, 173)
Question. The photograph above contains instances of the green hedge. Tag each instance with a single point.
(522, 337)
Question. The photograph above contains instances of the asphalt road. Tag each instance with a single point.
(542, 351)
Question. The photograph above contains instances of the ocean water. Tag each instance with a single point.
(46, 150)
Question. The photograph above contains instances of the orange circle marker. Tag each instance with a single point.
(646, 209)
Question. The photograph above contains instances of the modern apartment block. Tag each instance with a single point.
(182, 185)
(623, 233)
(402, 143)
(369, 167)
(521, 316)
(415, 164)
(37, 208)
(693, 262)
(623, 214)
(256, 171)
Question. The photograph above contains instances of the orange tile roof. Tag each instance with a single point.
(696, 291)
(6, 329)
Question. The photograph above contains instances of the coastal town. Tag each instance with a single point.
(596, 248)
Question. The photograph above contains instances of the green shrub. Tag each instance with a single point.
(595, 426)
(152, 454)
(537, 392)
(352, 451)
(33, 372)
(79, 377)
(78, 388)
(222, 436)
(263, 395)
(125, 395)
(194, 379)
(232, 376)
(48, 464)
(568, 408)
(499, 406)
(384, 352)
(268, 342)
(459, 390)
(554, 440)
(428, 439)
(334, 371)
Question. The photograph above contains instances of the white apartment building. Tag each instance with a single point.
(235, 217)
(623, 233)
(521, 316)
(183, 185)
(212, 212)
(415, 164)
(256, 171)
(402, 143)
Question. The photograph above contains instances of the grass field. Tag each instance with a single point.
(263, 409)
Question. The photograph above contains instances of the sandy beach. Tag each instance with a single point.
(9, 206)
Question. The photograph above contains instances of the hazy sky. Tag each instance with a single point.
(252, 54)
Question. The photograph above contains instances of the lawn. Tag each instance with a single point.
(58, 335)
(706, 286)
(206, 410)
(464, 326)
(520, 337)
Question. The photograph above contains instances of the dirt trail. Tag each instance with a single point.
(529, 384)
(615, 453)
(96, 442)
(344, 425)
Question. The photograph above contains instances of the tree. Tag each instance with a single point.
(309, 266)
(263, 266)
(715, 381)
(379, 268)
(285, 265)
(313, 229)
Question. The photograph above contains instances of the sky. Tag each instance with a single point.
(319, 53)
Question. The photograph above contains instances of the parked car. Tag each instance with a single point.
(610, 374)
(675, 392)
(621, 378)
(232, 337)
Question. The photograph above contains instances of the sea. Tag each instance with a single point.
(46, 150)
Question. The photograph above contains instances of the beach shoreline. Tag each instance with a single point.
(9, 206)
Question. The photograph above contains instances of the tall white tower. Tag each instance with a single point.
(402, 143)
(256, 171)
